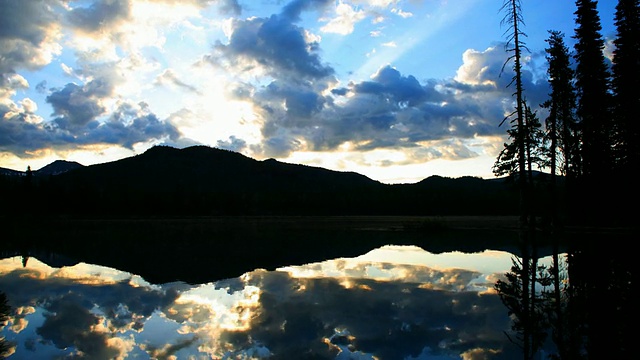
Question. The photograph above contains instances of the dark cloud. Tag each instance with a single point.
(393, 110)
(389, 320)
(277, 146)
(294, 8)
(27, 29)
(275, 44)
(25, 20)
(101, 14)
(127, 125)
(68, 313)
(41, 87)
(75, 106)
(402, 90)
(340, 91)
(230, 7)
(300, 102)
(233, 144)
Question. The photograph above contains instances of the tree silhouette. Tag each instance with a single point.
(562, 132)
(625, 84)
(626, 81)
(515, 45)
(594, 96)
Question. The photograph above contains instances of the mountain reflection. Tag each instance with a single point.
(393, 303)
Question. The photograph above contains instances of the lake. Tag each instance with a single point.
(309, 288)
(394, 302)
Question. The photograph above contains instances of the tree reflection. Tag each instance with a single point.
(520, 293)
(581, 301)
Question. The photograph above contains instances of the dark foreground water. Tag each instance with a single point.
(395, 302)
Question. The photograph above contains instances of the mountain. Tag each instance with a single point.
(58, 167)
(10, 172)
(202, 180)
(55, 168)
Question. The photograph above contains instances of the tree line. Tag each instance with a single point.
(590, 139)
(591, 131)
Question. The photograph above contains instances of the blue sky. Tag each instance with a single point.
(397, 90)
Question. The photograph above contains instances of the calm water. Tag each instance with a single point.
(395, 302)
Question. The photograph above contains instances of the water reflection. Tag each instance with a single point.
(396, 302)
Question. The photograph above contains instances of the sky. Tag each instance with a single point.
(395, 302)
(397, 90)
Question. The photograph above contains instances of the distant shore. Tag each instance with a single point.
(201, 249)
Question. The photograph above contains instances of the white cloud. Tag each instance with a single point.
(401, 13)
(345, 20)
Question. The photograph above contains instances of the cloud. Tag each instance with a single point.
(169, 77)
(230, 7)
(344, 21)
(273, 65)
(393, 111)
(29, 35)
(274, 45)
(130, 124)
(401, 13)
(389, 84)
(233, 144)
(100, 15)
(77, 126)
(294, 8)
(76, 106)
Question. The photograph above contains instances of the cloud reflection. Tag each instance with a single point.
(339, 309)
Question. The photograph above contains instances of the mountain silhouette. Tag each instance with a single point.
(202, 180)
(58, 167)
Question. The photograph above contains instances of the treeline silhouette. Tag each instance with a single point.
(206, 181)
(591, 138)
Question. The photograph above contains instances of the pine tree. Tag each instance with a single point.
(562, 129)
(593, 89)
(513, 160)
(562, 135)
(516, 151)
(626, 82)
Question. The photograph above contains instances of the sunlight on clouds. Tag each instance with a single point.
(410, 265)
(474, 68)
(457, 157)
(379, 3)
(87, 274)
(232, 311)
(37, 269)
(11, 82)
(311, 38)
(95, 49)
(149, 17)
(211, 117)
(163, 13)
(345, 20)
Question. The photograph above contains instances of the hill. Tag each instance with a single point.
(58, 167)
(206, 181)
